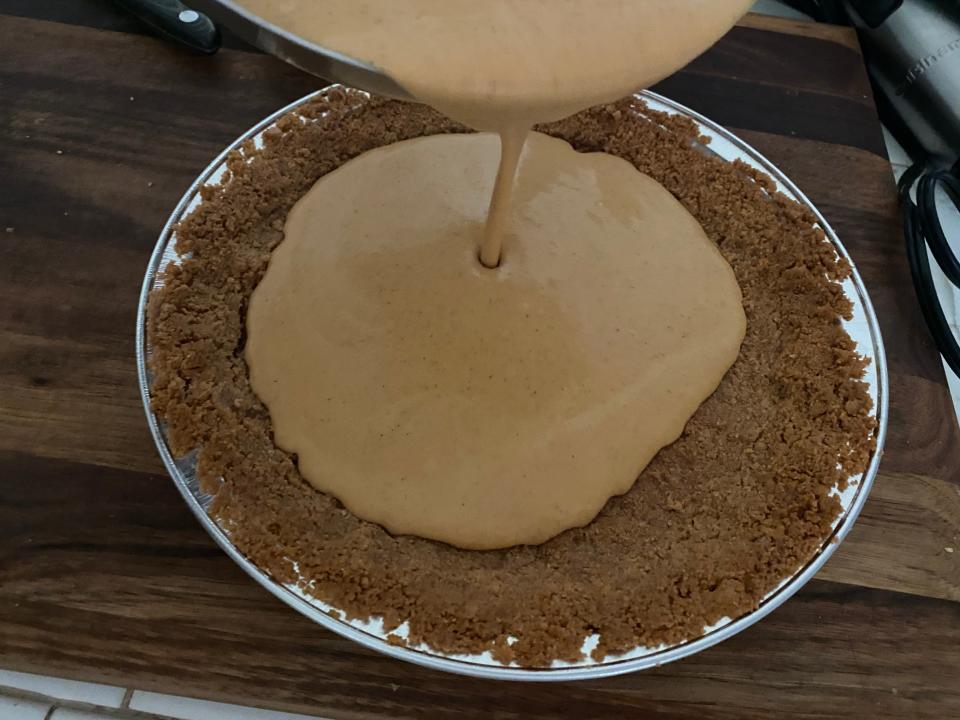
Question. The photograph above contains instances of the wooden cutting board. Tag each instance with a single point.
(104, 573)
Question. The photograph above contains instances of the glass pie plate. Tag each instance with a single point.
(863, 328)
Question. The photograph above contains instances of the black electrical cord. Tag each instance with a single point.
(922, 229)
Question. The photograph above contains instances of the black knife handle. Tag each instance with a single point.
(176, 21)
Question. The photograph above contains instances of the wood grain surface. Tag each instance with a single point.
(104, 573)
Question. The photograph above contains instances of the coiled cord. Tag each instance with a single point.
(922, 229)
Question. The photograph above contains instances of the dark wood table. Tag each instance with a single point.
(104, 573)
